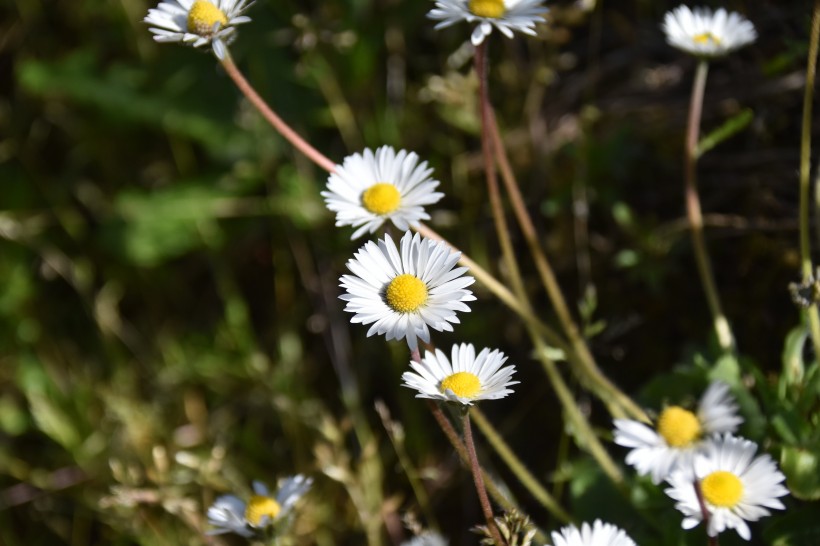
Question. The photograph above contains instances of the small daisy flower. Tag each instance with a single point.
(402, 293)
(368, 189)
(599, 534)
(230, 514)
(467, 379)
(678, 434)
(198, 22)
(735, 485)
(706, 34)
(505, 15)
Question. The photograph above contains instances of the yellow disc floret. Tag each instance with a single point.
(202, 17)
(491, 9)
(722, 488)
(463, 384)
(679, 427)
(260, 506)
(406, 293)
(382, 198)
(706, 38)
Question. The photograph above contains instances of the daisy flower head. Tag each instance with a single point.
(678, 434)
(505, 15)
(198, 22)
(466, 379)
(370, 188)
(706, 34)
(403, 292)
(735, 485)
(230, 514)
(598, 534)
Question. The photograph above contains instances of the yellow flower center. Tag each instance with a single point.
(491, 9)
(706, 38)
(259, 507)
(406, 293)
(722, 488)
(679, 427)
(464, 384)
(382, 198)
(203, 16)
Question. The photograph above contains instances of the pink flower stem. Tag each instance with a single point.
(270, 116)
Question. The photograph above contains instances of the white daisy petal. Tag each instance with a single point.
(465, 378)
(679, 435)
(706, 34)
(597, 534)
(400, 292)
(505, 15)
(370, 188)
(230, 514)
(198, 22)
(735, 485)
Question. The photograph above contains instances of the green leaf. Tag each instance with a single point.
(793, 365)
(801, 465)
(732, 126)
(155, 226)
(78, 79)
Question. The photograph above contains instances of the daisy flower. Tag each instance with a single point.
(678, 434)
(467, 379)
(368, 189)
(402, 293)
(599, 534)
(706, 34)
(230, 514)
(505, 15)
(735, 485)
(198, 22)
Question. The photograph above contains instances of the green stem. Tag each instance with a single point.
(693, 211)
(518, 468)
(805, 167)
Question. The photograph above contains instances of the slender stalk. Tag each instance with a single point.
(693, 211)
(584, 435)
(487, 145)
(478, 479)
(805, 159)
(518, 468)
(270, 116)
(710, 540)
(461, 451)
(497, 207)
(618, 403)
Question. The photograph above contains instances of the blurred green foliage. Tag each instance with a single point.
(169, 321)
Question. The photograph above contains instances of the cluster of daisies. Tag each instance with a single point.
(402, 291)
(712, 474)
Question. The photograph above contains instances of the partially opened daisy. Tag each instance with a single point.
(736, 486)
(402, 293)
(598, 534)
(505, 15)
(466, 379)
(678, 434)
(198, 22)
(706, 34)
(370, 188)
(230, 514)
